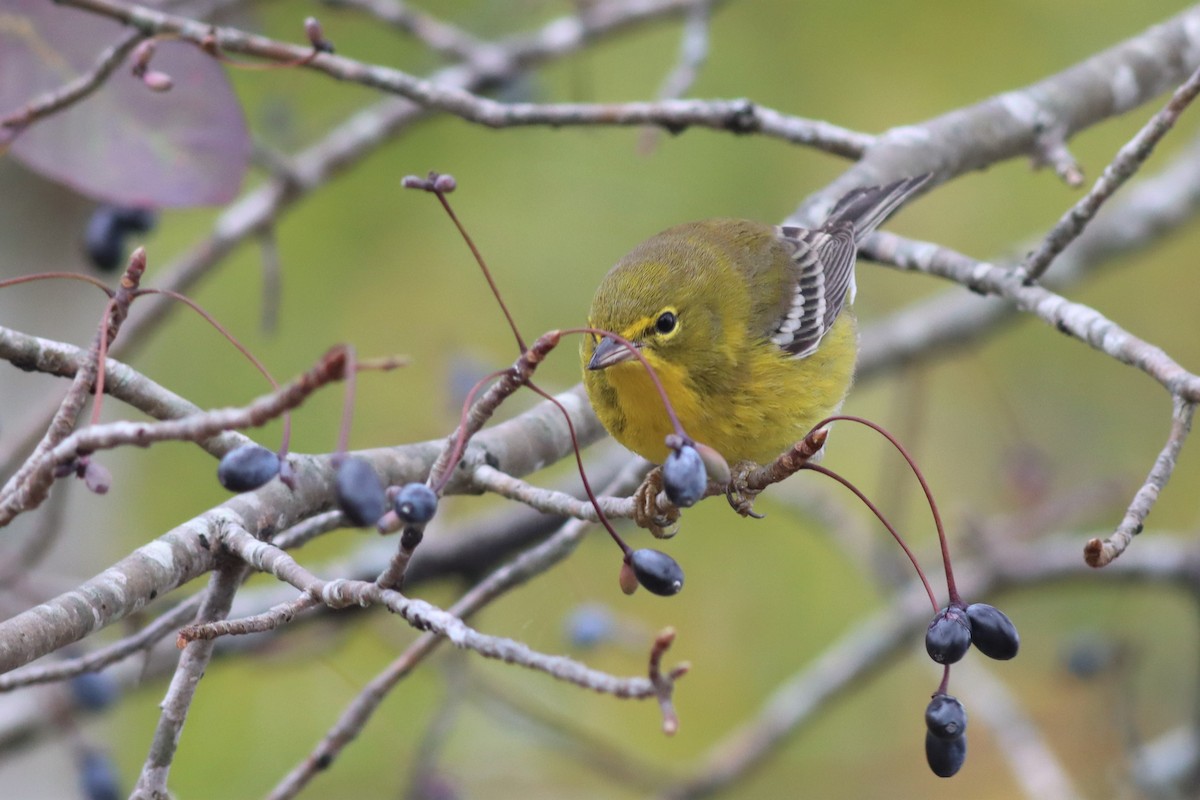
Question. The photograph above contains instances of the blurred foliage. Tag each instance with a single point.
(367, 263)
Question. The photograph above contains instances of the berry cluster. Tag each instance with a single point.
(360, 493)
(951, 633)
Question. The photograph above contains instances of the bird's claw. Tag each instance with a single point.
(738, 493)
(646, 513)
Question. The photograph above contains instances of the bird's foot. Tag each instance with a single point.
(646, 513)
(738, 492)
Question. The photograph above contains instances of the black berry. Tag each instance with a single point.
(248, 467)
(684, 476)
(360, 493)
(94, 691)
(993, 632)
(104, 238)
(98, 776)
(415, 503)
(945, 717)
(945, 756)
(949, 635)
(134, 219)
(657, 571)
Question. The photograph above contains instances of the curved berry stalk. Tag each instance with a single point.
(951, 587)
(654, 569)
(880, 516)
(441, 185)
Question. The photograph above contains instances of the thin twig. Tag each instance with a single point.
(152, 783)
(39, 472)
(1150, 209)
(436, 34)
(1128, 160)
(355, 717)
(1100, 553)
(693, 52)
(738, 116)
(1074, 319)
(70, 93)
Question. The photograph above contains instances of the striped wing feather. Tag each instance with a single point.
(824, 262)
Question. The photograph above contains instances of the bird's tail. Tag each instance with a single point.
(867, 208)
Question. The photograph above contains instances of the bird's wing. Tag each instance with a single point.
(824, 262)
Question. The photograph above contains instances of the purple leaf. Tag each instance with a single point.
(124, 144)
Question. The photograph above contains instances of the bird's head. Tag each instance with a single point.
(668, 310)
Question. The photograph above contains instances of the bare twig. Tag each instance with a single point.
(27, 486)
(1073, 319)
(72, 92)
(152, 783)
(272, 619)
(732, 116)
(31, 485)
(1148, 210)
(436, 34)
(1127, 162)
(525, 566)
(124, 382)
(693, 52)
(1100, 553)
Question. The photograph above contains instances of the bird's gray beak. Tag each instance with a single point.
(609, 352)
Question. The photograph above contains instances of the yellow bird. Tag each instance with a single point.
(746, 325)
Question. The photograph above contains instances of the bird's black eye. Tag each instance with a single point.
(666, 322)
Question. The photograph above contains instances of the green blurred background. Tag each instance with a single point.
(367, 263)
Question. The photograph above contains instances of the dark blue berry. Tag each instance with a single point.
(135, 219)
(684, 476)
(945, 717)
(104, 238)
(94, 691)
(98, 776)
(993, 632)
(415, 503)
(248, 467)
(945, 756)
(1089, 656)
(360, 493)
(657, 571)
(949, 635)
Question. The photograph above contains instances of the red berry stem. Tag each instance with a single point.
(879, 514)
(951, 587)
(285, 438)
(945, 684)
(587, 486)
(441, 185)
